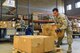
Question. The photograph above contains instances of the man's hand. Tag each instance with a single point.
(58, 30)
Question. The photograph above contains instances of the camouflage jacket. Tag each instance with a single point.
(63, 22)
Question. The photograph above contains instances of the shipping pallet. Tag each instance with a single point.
(18, 51)
(58, 50)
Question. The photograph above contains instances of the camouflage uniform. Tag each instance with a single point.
(63, 24)
(69, 37)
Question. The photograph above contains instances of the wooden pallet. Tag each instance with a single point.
(17, 51)
(58, 50)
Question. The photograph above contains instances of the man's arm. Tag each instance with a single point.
(64, 22)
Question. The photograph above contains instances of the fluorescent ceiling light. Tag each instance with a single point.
(9, 3)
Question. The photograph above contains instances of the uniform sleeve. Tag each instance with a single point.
(64, 22)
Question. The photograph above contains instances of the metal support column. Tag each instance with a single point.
(56, 3)
(1, 9)
(64, 6)
(28, 11)
(16, 2)
(30, 16)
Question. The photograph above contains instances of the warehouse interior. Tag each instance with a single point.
(28, 26)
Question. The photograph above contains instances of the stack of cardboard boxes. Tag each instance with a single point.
(7, 24)
(38, 43)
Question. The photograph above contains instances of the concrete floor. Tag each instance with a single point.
(7, 47)
(75, 46)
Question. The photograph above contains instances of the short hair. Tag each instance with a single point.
(55, 9)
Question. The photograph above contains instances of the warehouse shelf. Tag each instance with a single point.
(73, 17)
(8, 15)
(43, 21)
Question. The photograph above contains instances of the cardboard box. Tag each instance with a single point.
(49, 44)
(13, 24)
(35, 17)
(49, 30)
(0, 24)
(34, 44)
(9, 23)
(30, 44)
(16, 42)
(6, 24)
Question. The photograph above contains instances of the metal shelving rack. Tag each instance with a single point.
(30, 18)
(38, 21)
(3, 31)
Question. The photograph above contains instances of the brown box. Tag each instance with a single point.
(16, 42)
(30, 44)
(6, 24)
(0, 24)
(34, 44)
(48, 43)
(49, 30)
(3, 24)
